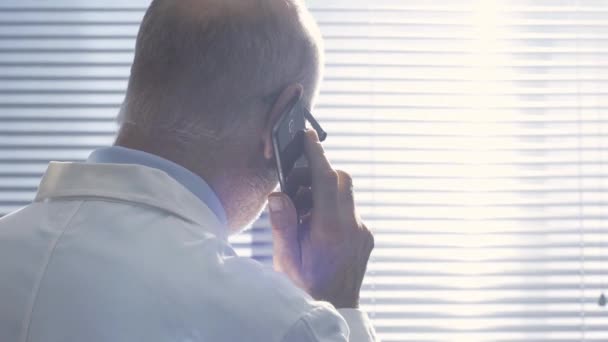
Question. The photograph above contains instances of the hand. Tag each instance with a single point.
(327, 254)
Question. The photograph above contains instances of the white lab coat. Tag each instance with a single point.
(111, 252)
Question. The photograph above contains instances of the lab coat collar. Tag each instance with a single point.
(191, 181)
(127, 182)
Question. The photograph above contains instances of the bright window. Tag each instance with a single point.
(475, 130)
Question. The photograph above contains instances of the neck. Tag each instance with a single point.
(160, 144)
(232, 183)
(200, 162)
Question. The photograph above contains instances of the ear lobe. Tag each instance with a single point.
(288, 97)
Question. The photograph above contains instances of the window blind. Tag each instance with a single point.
(475, 131)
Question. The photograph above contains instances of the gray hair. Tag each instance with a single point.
(200, 64)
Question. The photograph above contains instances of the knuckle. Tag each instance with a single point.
(312, 135)
(345, 178)
(331, 177)
(369, 238)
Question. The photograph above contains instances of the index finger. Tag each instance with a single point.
(324, 177)
(314, 152)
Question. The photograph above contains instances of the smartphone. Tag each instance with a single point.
(288, 140)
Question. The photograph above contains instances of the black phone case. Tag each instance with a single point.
(292, 156)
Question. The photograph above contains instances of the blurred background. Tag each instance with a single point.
(475, 130)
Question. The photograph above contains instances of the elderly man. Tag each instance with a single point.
(131, 245)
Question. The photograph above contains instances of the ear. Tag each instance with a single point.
(287, 98)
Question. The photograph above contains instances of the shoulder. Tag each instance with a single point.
(269, 307)
(259, 288)
(258, 301)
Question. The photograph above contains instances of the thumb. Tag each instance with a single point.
(283, 219)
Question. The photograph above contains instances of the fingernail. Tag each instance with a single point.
(275, 204)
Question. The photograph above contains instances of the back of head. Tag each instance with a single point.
(203, 66)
